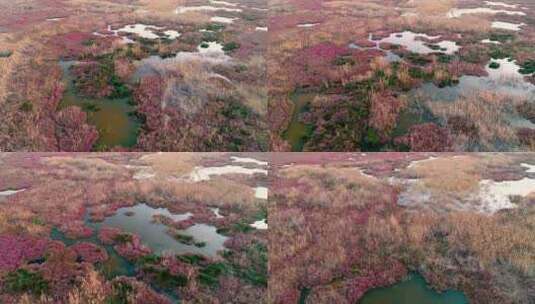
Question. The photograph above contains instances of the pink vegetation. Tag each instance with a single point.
(90, 252)
(323, 51)
(427, 137)
(130, 248)
(76, 230)
(73, 132)
(15, 250)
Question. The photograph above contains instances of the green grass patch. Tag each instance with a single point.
(214, 27)
(527, 67)
(193, 259)
(184, 239)
(343, 60)
(209, 275)
(504, 38)
(123, 238)
(498, 53)
(418, 59)
(120, 293)
(257, 272)
(26, 106)
(494, 65)
(24, 281)
(231, 46)
(5, 54)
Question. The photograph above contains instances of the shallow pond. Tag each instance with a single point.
(493, 3)
(459, 12)
(496, 196)
(261, 193)
(389, 55)
(504, 80)
(415, 42)
(205, 173)
(507, 25)
(139, 220)
(412, 290)
(260, 225)
(113, 118)
(297, 131)
(9, 192)
(185, 9)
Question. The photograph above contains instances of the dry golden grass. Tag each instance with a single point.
(92, 290)
(171, 163)
(342, 185)
(215, 192)
(449, 174)
(85, 168)
(435, 7)
(487, 111)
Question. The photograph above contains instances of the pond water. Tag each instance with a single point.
(113, 118)
(9, 192)
(207, 52)
(307, 25)
(412, 290)
(223, 3)
(492, 3)
(261, 193)
(415, 42)
(155, 234)
(185, 9)
(496, 196)
(506, 79)
(226, 20)
(507, 25)
(260, 225)
(237, 159)
(459, 12)
(141, 30)
(297, 131)
(205, 173)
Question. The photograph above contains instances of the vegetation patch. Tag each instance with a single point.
(209, 275)
(5, 54)
(528, 67)
(24, 281)
(494, 65)
(231, 46)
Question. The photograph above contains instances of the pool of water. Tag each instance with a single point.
(113, 118)
(389, 55)
(507, 25)
(205, 173)
(459, 12)
(415, 43)
(297, 131)
(9, 192)
(209, 8)
(139, 220)
(505, 80)
(412, 290)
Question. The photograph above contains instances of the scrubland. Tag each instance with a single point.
(342, 225)
(366, 87)
(210, 102)
(57, 247)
